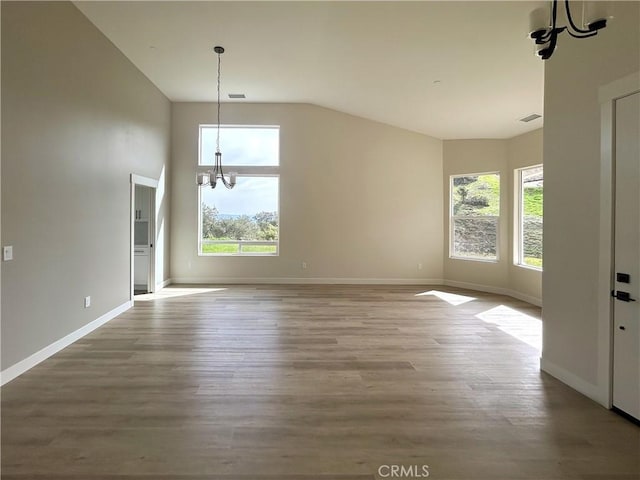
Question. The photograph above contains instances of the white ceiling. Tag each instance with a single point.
(377, 60)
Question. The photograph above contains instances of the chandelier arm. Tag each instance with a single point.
(226, 184)
(576, 29)
(544, 38)
(552, 43)
(553, 31)
(587, 35)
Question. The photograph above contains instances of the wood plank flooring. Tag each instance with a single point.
(310, 383)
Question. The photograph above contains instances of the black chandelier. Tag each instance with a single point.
(545, 29)
(211, 177)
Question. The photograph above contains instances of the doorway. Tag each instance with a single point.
(626, 258)
(143, 235)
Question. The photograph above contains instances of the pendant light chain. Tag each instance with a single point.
(218, 130)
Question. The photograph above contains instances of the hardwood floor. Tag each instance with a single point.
(310, 383)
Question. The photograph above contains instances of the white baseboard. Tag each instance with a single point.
(590, 390)
(305, 280)
(165, 283)
(498, 290)
(22, 366)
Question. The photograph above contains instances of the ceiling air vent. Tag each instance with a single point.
(531, 117)
(237, 95)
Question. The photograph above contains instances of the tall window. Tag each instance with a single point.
(475, 214)
(245, 220)
(529, 183)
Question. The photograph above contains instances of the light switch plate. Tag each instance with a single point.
(7, 253)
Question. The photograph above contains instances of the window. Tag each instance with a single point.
(529, 182)
(244, 220)
(475, 214)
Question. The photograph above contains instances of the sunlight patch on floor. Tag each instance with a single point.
(171, 292)
(451, 298)
(519, 325)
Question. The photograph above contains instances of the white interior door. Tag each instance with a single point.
(143, 216)
(626, 337)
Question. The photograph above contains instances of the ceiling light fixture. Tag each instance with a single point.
(544, 28)
(211, 177)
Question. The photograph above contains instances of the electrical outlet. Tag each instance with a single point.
(304, 265)
(419, 266)
(87, 302)
(7, 253)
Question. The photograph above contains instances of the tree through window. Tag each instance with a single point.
(245, 220)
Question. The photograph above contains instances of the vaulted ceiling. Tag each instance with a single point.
(447, 69)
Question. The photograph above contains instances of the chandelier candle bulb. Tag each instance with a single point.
(539, 22)
(595, 15)
(539, 47)
(203, 179)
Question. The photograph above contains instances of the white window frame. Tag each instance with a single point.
(518, 226)
(452, 217)
(241, 171)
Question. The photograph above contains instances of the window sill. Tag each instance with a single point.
(475, 259)
(528, 267)
(238, 254)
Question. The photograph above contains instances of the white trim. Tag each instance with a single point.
(476, 259)
(497, 290)
(305, 280)
(31, 361)
(528, 267)
(605, 257)
(163, 284)
(619, 88)
(594, 392)
(145, 181)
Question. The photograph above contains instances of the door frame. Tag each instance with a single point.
(607, 95)
(153, 184)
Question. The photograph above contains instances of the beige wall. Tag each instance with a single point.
(359, 200)
(78, 119)
(502, 156)
(522, 151)
(572, 348)
(476, 156)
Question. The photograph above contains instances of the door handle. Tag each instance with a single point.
(623, 296)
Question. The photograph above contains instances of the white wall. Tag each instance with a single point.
(572, 348)
(78, 119)
(502, 156)
(359, 200)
